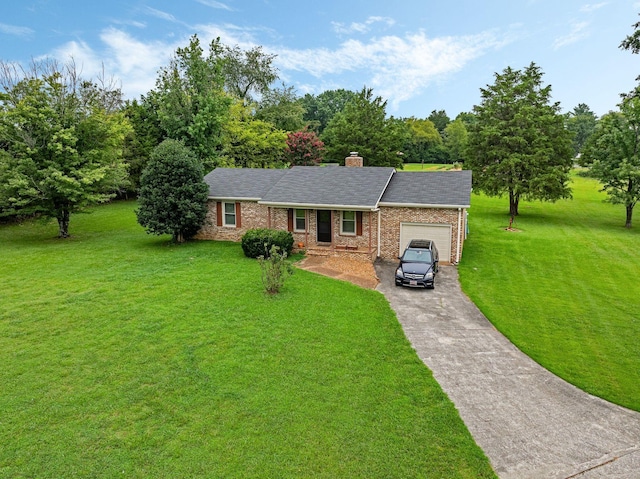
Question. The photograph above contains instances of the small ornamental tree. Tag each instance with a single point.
(173, 195)
(304, 148)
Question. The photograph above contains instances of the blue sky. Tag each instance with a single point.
(420, 55)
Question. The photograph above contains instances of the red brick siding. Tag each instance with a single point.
(392, 217)
(254, 215)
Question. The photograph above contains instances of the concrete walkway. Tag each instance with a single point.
(530, 423)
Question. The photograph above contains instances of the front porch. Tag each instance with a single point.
(343, 251)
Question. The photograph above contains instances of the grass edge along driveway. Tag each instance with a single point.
(125, 356)
(563, 288)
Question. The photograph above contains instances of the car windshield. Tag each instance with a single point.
(417, 256)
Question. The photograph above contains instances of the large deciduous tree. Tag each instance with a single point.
(518, 145)
(363, 126)
(192, 105)
(251, 143)
(146, 135)
(248, 72)
(455, 140)
(423, 142)
(613, 153)
(173, 195)
(62, 142)
(320, 109)
(281, 107)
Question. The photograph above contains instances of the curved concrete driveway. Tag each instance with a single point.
(529, 422)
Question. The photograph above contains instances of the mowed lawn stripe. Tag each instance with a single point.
(123, 355)
(564, 288)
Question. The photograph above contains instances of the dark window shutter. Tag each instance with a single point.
(359, 223)
(290, 219)
(238, 216)
(218, 213)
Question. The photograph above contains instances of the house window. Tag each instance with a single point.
(348, 223)
(230, 214)
(300, 220)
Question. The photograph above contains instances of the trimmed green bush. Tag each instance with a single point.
(258, 242)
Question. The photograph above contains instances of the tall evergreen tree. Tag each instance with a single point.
(363, 126)
(518, 145)
(581, 122)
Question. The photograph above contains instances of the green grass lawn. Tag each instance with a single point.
(124, 356)
(427, 167)
(565, 288)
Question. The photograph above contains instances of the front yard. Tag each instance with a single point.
(124, 356)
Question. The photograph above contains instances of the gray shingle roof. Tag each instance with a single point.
(437, 188)
(241, 183)
(341, 187)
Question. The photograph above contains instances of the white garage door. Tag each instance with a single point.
(441, 234)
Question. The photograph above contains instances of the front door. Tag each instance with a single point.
(323, 221)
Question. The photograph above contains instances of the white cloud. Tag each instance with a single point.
(592, 7)
(577, 33)
(133, 62)
(15, 30)
(364, 27)
(163, 15)
(86, 61)
(214, 4)
(398, 68)
(231, 34)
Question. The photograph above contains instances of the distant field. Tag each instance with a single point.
(565, 288)
(426, 167)
(124, 356)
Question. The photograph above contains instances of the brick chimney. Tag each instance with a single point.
(354, 160)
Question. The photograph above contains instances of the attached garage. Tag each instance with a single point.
(428, 205)
(439, 233)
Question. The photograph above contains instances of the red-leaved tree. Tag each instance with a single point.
(304, 148)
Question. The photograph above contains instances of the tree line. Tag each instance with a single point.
(67, 142)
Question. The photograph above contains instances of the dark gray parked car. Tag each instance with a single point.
(418, 264)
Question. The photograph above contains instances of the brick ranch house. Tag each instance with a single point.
(368, 213)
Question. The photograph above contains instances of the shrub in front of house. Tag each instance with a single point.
(258, 242)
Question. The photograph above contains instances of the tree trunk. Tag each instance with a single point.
(629, 214)
(514, 201)
(63, 223)
(178, 237)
